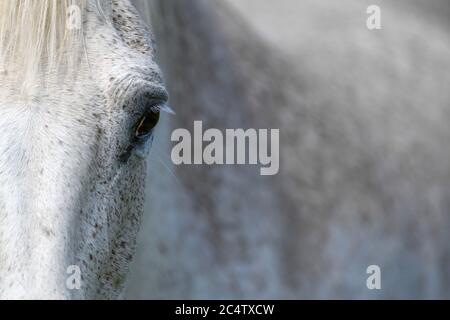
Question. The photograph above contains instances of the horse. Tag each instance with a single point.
(80, 98)
(364, 174)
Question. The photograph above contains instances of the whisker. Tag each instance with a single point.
(171, 172)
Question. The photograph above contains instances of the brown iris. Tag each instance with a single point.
(146, 124)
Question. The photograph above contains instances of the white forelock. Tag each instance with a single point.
(35, 36)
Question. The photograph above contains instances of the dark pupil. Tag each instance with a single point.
(147, 124)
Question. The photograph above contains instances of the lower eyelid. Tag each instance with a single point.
(143, 138)
(137, 143)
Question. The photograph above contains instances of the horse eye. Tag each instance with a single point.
(146, 124)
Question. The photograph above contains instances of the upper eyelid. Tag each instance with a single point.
(152, 95)
(144, 96)
(157, 94)
(132, 87)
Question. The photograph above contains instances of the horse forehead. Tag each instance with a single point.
(123, 46)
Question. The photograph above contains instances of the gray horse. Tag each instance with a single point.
(364, 176)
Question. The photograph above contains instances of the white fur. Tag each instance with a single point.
(65, 197)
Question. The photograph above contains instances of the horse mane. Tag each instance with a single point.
(35, 36)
